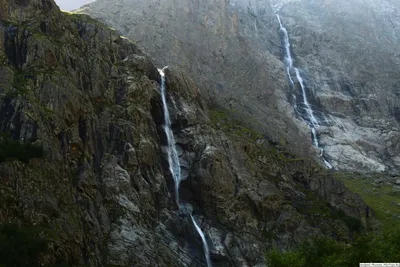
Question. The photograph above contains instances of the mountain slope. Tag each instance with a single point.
(83, 170)
(345, 51)
(349, 53)
(231, 51)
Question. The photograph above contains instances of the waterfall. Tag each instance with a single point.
(288, 54)
(309, 117)
(313, 121)
(174, 165)
(173, 159)
(203, 239)
(288, 58)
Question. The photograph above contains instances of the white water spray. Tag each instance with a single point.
(203, 239)
(174, 165)
(288, 58)
(327, 164)
(310, 117)
(310, 113)
(173, 159)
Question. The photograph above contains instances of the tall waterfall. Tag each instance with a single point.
(175, 168)
(288, 57)
(173, 159)
(309, 115)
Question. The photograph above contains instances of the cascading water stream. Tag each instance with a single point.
(173, 159)
(203, 239)
(310, 117)
(174, 164)
(313, 121)
(288, 58)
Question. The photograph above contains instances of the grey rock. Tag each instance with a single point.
(396, 189)
(233, 50)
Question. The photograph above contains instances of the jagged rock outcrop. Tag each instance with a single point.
(347, 53)
(81, 157)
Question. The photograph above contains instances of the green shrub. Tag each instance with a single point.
(354, 224)
(14, 150)
(288, 259)
(323, 251)
(320, 251)
(20, 246)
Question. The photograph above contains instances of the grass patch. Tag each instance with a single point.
(230, 123)
(313, 205)
(384, 202)
(85, 18)
(233, 124)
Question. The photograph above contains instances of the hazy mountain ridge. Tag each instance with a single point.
(232, 52)
(346, 50)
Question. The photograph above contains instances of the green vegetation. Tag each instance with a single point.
(316, 206)
(20, 81)
(352, 223)
(14, 150)
(230, 123)
(233, 124)
(20, 246)
(384, 201)
(323, 251)
(326, 252)
(23, 246)
(85, 18)
(372, 247)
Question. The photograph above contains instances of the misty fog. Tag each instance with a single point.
(69, 5)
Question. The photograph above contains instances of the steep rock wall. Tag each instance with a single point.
(81, 117)
(230, 48)
(346, 52)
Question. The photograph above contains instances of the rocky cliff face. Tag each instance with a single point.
(82, 164)
(230, 49)
(346, 52)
